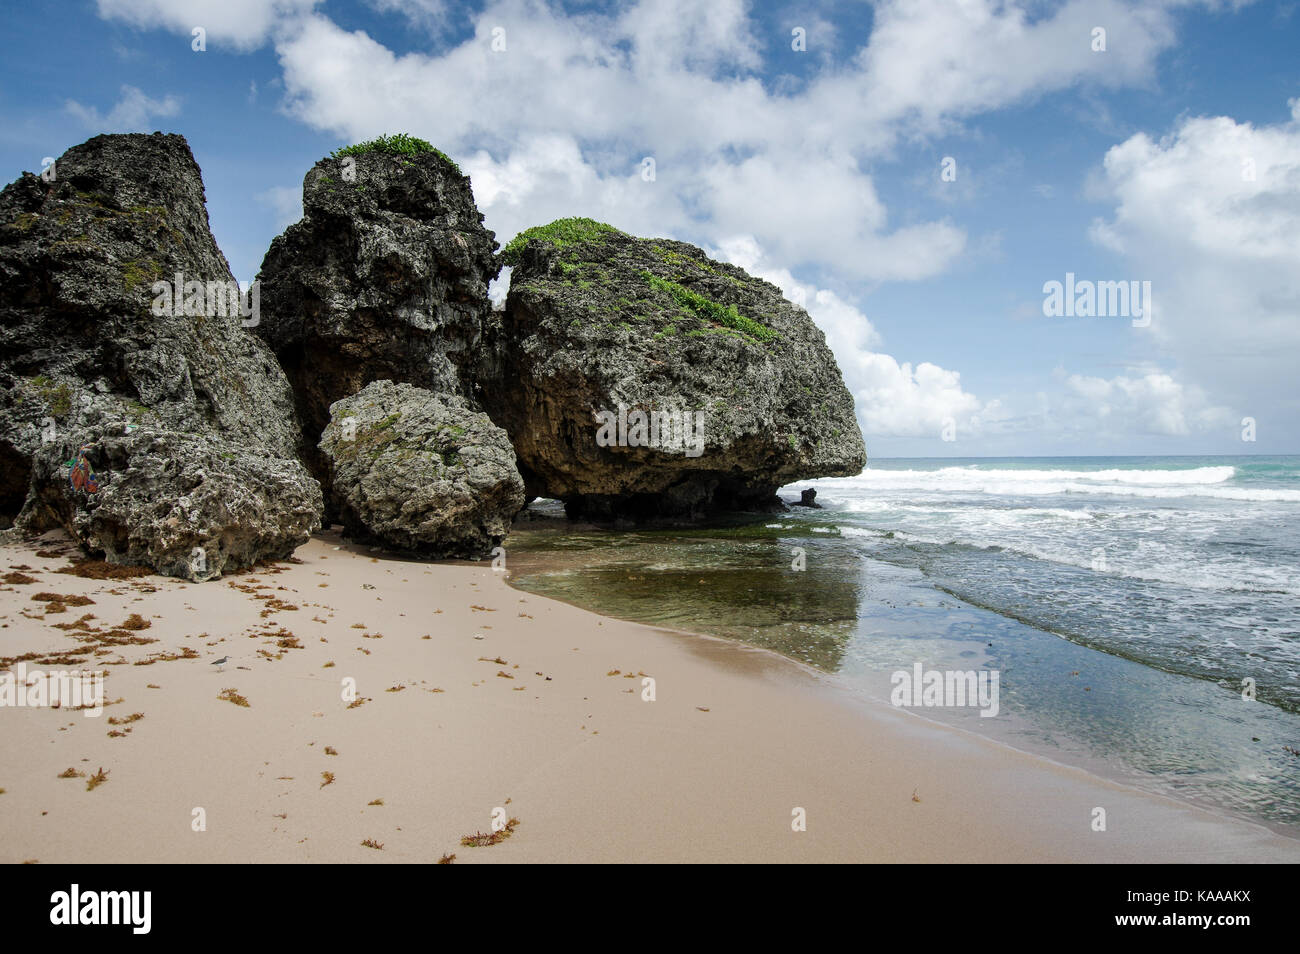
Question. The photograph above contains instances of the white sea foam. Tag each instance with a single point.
(1140, 536)
(974, 476)
(1190, 482)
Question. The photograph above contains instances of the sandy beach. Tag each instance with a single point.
(478, 699)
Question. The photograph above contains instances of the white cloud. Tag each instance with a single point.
(245, 24)
(932, 60)
(133, 112)
(899, 400)
(679, 81)
(893, 399)
(1149, 402)
(1210, 214)
(499, 288)
(546, 177)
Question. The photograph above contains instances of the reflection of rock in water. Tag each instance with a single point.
(735, 582)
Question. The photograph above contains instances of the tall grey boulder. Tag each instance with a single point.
(119, 313)
(384, 278)
(421, 472)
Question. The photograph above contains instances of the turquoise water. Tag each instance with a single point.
(1122, 600)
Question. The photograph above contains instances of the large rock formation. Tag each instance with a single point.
(185, 504)
(91, 343)
(639, 378)
(385, 277)
(421, 472)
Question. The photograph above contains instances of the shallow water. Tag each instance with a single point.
(1098, 667)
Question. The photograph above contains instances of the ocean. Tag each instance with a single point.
(1143, 613)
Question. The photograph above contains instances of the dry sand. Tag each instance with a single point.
(538, 718)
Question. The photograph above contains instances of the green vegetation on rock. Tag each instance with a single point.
(561, 233)
(139, 271)
(24, 221)
(711, 310)
(398, 145)
(56, 394)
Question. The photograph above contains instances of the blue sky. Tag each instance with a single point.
(818, 169)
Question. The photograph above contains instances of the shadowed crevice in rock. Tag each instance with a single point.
(15, 474)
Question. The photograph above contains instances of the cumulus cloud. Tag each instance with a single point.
(681, 82)
(1149, 402)
(893, 399)
(546, 177)
(932, 60)
(245, 24)
(133, 112)
(1210, 214)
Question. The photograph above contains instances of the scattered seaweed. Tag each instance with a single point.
(185, 653)
(66, 658)
(72, 599)
(231, 695)
(102, 570)
(484, 839)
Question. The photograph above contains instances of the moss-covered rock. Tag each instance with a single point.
(601, 322)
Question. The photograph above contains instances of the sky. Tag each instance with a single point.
(915, 173)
